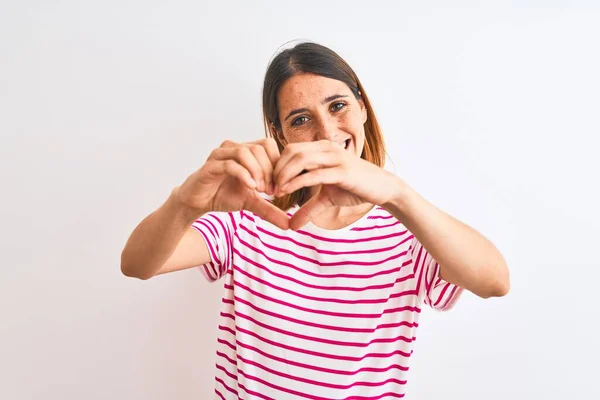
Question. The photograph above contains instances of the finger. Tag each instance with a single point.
(232, 168)
(306, 162)
(261, 156)
(301, 147)
(268, 211)
(308, 212)
(272, 151)
(321, 176)
(271, 148)
(228, 144)
(243, 156)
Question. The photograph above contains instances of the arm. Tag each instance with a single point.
(164, 242)
(466, 258)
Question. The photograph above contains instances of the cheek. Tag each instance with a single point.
(298, 135)
(354, 124)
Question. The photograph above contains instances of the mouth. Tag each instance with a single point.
(345, 144)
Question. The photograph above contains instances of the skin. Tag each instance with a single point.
(342, 184)
(343, 188)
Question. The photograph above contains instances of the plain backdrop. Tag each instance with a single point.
(490, 110)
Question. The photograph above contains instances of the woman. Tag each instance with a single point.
(326, 257)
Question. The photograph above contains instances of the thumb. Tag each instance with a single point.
(309, 211)
(267, 211)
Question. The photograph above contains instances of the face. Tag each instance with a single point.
(312, 107)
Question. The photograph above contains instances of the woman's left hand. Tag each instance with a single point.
(346, 179)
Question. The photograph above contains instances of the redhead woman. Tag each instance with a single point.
(326, 258)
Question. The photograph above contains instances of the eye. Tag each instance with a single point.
(338, 106)
(298, 121)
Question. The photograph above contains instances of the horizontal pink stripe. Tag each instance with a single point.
(334, 288)
(317, 368)
(254, 393)
(219, 393)
(373, 227)
(353, 241)
(320, 250)
(381, 396)
(309, 338)
(251, 392)
(321, 263)
(230, 360)
(226, 328)
(324, 326)
(319, 383)
(231, 316)
(365, 301)
(333, 356)
(229, 374)
(331, 300)
(380, 217)
(310, 273)
(327, 239)
(306, 272)
(226, 343)
(370, 301)
(315, 311)
(280, 388)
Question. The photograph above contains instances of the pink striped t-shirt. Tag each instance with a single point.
(317, 313)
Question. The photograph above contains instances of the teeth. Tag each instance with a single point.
(343, 144)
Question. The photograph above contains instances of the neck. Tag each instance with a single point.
(337, 217)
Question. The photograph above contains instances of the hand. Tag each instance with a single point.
(232, 178)
(346, 179)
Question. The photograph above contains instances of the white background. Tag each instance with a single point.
(490, 110)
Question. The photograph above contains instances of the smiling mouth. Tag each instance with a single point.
(344, 144)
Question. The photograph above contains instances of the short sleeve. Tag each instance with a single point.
(432, 290)
(218, 230)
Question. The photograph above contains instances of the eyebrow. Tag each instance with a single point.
(327, 100)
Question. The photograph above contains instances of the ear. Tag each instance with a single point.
(363, 109)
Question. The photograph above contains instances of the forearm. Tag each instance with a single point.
(155, 238)
(466, 258)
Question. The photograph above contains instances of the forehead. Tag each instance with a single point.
(305, 89)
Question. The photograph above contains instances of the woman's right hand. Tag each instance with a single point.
(232, 179)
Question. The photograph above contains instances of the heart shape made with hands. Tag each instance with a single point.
(344, 180)
(329, 195)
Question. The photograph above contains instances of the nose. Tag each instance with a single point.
(326, 129)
